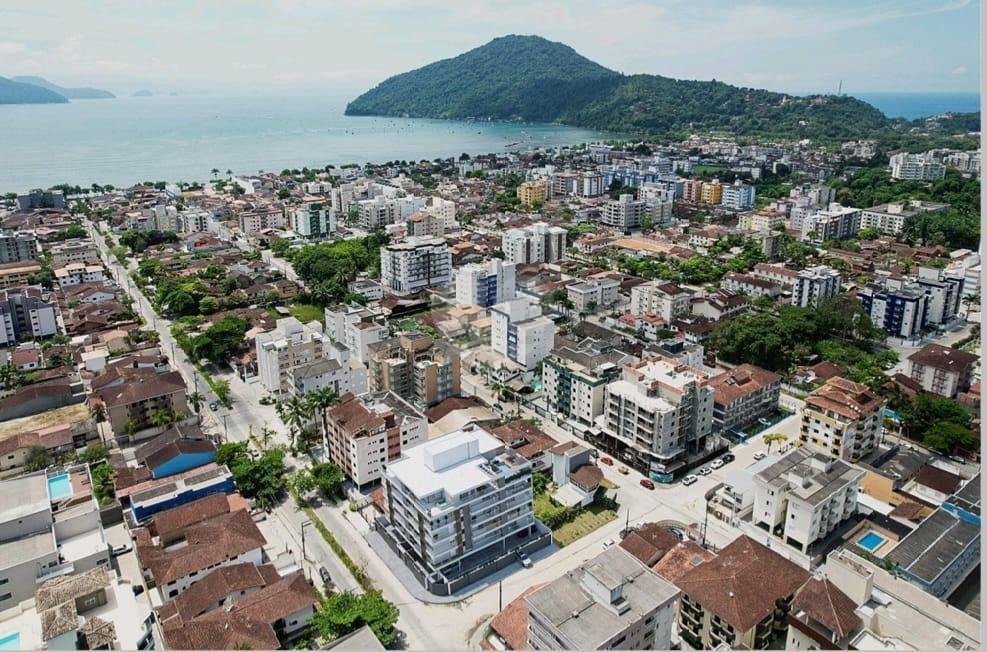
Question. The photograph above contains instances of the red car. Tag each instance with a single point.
(606, 460)
(647, 484)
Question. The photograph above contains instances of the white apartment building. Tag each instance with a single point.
(738, 196)
(193, 221)
(289, 345)
(916, 167)
(942, 370)
(76, 273)
(356, 328)
(843, 419)
(814, 283)
(656, 415)
(458, 501)
(415, 264)
(485, 284)
(365, 432)
(891, 218)
(626, 213)
(804, 496)
(313, 220)
(538, 243)
(339, 371)
(384, 209)
(519, 332)
(609, 602)
(765, 220)
(593, 294)
(834, 223)
(81, 250)
(261, 219)
(661, 298)
(24, 313)
(443, 211)
(576, 375)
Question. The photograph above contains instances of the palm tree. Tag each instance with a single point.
(266, 435)
(296, 415)
(215, 172)
(162, 417)
(485, 368)
(320, 400)
(771, 438)
(195, 398)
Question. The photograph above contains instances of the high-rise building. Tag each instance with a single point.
(519, 332)
(313, 220)
(416, 367)
(945, 291)
(486, 284)
(661, 298)
(415, 264)
(538, 243)
(657, 415)
(834, 223)
(814, 283)
(290, 344)
(843, 419)
(893, 217)
(355, 327)
(17, 246)
(576, 375)
(738, 196)
(916, 167)
(531, 192)
(623, 213)
(712, 192)
(24, 313)
(384, 209)
(901, 309)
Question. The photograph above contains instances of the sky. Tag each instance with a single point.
(347, 46)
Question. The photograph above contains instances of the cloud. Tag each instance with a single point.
(8, 48)
(958, 70)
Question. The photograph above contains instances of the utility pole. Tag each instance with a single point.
(500, 596)
(304, 523)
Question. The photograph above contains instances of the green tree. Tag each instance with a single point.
(37, 458)
(774, 437)
(342, 613)
(296, 414)
(329, 479)
(91, 455)
(947, 436)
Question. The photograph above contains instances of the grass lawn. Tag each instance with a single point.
(712, 169)
(592, 518)
(545, 508)
(306, 312)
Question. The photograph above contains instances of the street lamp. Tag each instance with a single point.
(304, 523)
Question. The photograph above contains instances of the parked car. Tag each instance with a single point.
(324, 574)
(647, 484)
(121, 549)
(608, 543)
(623, 470)
(524, 559)
(214, 406)
(760, 455)
(729, 457)
(689, 479)
(704, 471)
(717, 464)
(137, 589)
(606, 460)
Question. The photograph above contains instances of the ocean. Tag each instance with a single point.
(921, 105)
(182, 138)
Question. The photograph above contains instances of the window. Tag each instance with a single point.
(4, 597)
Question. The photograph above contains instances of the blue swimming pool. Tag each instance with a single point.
(11, 641)
(872, 540)
(59, 486)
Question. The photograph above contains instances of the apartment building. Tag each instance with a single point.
(25, 313)
(740, 598)
(843, 419)
(485, 284)
(805, 496)
(738, 196)
(531, 192)
(39, 198)
(815, 283)
(834, 223)
(79, 250)
(916, 167)
(365, 432)
(131, 402)
(356, 328)
(76, 273)
(416, 367)
(313, 220)
(945, 290)
(576, 375)
(743, 395)
(415, 264)
(593, 294)
(377, 212)
(692, 190)
(538, 243)
(291, 344)
(900, 308)
(261, 219)
(777, 273)
(942, 370)
(658, 414)
(711, 192)
(49, 527)
(458, 507)
(752, 286)
(892, 218)
(823, 617)
(765, 220)
(609, 602)
(194, 221)
(339, 371)
(18, 246)
(520, 333)
(661, 298)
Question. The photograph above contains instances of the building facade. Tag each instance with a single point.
(25, 313)
(538, 243)
(520, 333)
(814, 283)
(291, 344)
(415, 265)
(486, 284)
(416, 367)
(843, 419)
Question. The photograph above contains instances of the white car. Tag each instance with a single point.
(704, 471)
(689, 479)
(608, 543)
(121, 549)
(760, 455)
(717, 464)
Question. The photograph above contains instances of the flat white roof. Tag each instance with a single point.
(24, 496)
(451, 462)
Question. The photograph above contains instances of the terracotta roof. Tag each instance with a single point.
(825, 370)
(227, 632)
(527, 440)
(451, 404)
(937, 479)
(944, 358)
(511, 624)
(681, 559)
(289, 595)
(353, 416)
(908, 510)
(741, 381)
(823, 602)
(742, 583)
(143, 388)
(587, 477)
(215, 586)
(169, 522)
(845, 397)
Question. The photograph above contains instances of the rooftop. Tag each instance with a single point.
(931, 547)
(846, 398)
(944, 358)
(741, 381)
(811, 476)
(22, 497)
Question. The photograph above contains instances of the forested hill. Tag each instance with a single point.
(71, 93)
(12, 92)
(530, 78)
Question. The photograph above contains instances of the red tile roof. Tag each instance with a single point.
(823, 602)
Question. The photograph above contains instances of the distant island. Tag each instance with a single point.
(143, 93)
(532, 79)
(13, 92)
(69, 93)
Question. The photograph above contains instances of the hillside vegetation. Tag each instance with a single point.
(12, 92)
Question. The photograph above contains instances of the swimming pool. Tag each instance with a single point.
(59, 486)
(11, 641)
(871, 541)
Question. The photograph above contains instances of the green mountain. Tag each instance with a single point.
(533, 79)
(12, 92)
(71, 93)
